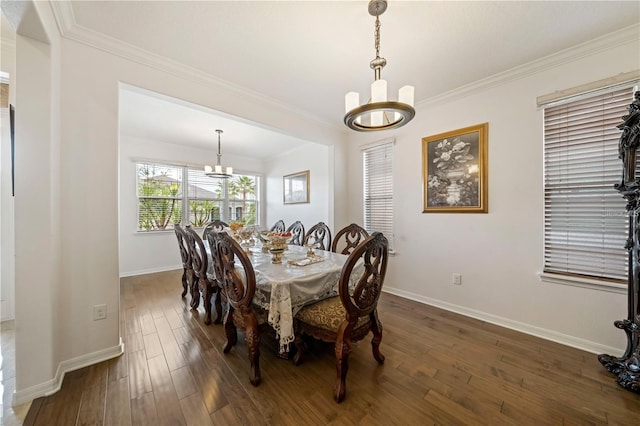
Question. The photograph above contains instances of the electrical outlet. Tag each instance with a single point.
(99, 312)
(456, 279)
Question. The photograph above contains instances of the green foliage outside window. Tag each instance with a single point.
(162, 192)
(244, 189)
(202, 212)
(159, 196)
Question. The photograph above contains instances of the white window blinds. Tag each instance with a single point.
(159, 190)
(377, 164)
(585, 220)
(204, 198)
(176, 193)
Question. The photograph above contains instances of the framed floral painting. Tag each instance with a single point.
(454, 171)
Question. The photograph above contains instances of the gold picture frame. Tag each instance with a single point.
(454, 171)
(295, 188)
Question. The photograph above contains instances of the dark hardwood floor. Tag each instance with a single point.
(441, 368)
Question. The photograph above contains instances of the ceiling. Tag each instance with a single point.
(308, 54)
(157, 117)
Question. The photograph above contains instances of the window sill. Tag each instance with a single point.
(592, 284)
(157, 232)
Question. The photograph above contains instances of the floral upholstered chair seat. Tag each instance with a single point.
(327, 314)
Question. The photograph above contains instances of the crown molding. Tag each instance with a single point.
(621, 37)
(69, 29)
(63, 14)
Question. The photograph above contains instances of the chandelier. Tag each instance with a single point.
(379, 113)
(218, 171)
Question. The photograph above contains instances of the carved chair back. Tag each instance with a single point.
(239, 286)
(216, 225)
(278, 226)
(348, 239)
(197, 253)
(200, 265)
(321, 234)
(361, 299)
(297, 233)
(187, 271)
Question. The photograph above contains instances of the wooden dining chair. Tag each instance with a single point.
(278, 226)
(348, 239)
(321, 234)
(351, 315)
(297, 233)
(215, 225)
(187, 270)
(239, 288)
(206, 283)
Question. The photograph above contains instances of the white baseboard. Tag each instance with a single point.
(52, 386)
(564, 339)
(150, 271)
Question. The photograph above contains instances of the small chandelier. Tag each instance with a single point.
(218, 171)
(379, 113)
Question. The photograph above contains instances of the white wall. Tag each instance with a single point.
(37, 218)
(499, 254)
(7, 223)
(145, 252)
(316, 159)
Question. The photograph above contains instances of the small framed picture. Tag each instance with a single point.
(454, 171)
(296, 188)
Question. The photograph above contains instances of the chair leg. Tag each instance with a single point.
(300, 347)
(195, 292)
(376, 329)
(252, 338)
(208, 295)
(185, 283)
(343, 349)
(218, 302)
(230, 331)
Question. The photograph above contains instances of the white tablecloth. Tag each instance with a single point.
(283, 289)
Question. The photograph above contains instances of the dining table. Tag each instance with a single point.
(303, 277)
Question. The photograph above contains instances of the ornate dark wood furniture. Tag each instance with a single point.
(216, 225)
(187, 270)
(321, 235)
(297, 233)
(627, 367)
(353, 314)
(348, 239)
(239, 288)
(206, 284)
(278, 226)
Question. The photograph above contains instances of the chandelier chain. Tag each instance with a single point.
(377, 37)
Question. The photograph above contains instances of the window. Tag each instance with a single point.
(159, 196)
(168, 194)
(377, 165)
(585, 219)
